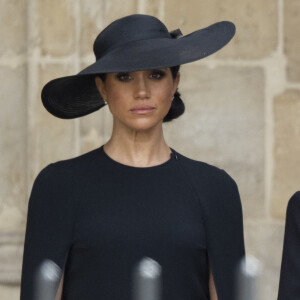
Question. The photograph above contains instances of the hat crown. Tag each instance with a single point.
(128, 29)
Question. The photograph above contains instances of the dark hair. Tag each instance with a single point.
(177, 108)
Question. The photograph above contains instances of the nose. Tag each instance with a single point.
(142, 90)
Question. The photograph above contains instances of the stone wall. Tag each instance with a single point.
(242, 108)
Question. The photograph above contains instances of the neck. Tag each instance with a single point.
(140, 148)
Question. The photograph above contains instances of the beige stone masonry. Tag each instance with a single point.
(11, 253)
(264, 240)
(13, 27)
(98, 14)
(92, 130)
(152, 7)
(49, 138)
(286, 176)
(10, 291)
(55, 23)
(12, 146)
(291, 38)
(92, 22)
(256, 22)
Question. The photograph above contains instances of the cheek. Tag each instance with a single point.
(117, 101)
(115, 97)
(115, 94)
(165, 94)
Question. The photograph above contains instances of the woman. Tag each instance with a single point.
(98, 214)
(289, 285)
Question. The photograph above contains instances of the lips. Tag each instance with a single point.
(142, 107)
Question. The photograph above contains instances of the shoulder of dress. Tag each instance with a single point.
(203, 169)
(75, 166)
(63, 170)
(213, 185)
(52, 175)
(296, 197)
(294, 201)
(84, 158)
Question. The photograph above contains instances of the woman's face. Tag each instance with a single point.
(139, 100)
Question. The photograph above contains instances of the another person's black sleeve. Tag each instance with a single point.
(289, 285)
(49, 225)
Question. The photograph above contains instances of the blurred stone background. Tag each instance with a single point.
(242, 108)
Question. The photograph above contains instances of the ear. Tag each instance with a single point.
(176, 82)
(101, 87)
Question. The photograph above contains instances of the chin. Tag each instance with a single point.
(143, 124)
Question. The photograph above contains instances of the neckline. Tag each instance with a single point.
(173, 156)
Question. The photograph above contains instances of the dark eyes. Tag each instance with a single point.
(155, 74)
(123, 76)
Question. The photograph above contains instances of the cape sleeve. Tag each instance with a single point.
(289, 284)
(223, 219)
(49, 226)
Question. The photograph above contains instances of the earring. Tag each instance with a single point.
(104, 102)
(173, 98)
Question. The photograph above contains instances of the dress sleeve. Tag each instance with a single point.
(49, 226)
(223, 221)
(289, 285)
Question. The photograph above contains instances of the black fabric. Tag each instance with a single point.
(96, 218)
(289, 285)
(75, 89)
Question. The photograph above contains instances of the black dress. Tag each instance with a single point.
(97, 218)
(289, 285)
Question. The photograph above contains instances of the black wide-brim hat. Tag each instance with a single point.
(132, 43)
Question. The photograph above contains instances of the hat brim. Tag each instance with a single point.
(75, 96)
